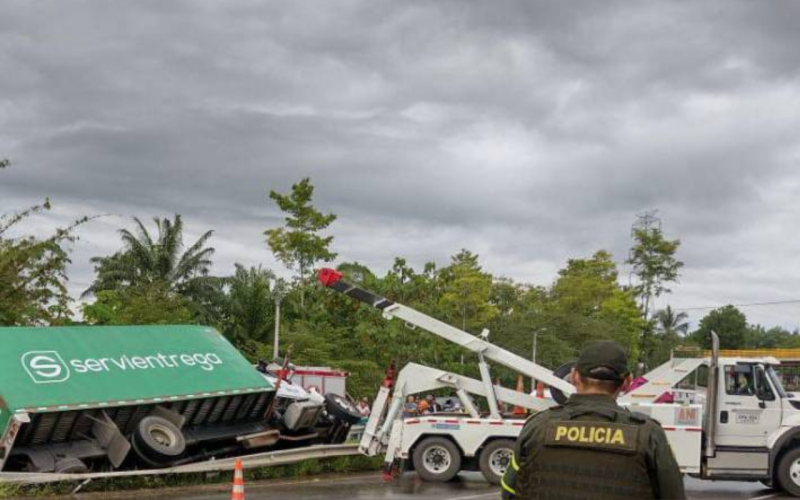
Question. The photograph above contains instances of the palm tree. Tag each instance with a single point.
(670, 328)
(670, 324)
(250, 303)
(145, 261)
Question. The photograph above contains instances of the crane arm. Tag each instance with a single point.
(331, 278)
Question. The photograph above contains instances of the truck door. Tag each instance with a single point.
(749, 407)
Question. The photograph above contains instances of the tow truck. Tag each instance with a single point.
(731, 419)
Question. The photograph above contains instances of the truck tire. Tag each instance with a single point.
(789, 472)
(437, 459)
(341, 408)
(157, 441)
(562, 372)
(495, 459)
(70, 465)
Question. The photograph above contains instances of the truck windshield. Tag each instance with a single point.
(776, 381)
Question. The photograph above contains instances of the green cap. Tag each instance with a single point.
(603, 354)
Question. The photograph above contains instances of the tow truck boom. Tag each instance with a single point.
(331, 278)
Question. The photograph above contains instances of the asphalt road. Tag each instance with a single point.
(467, 487)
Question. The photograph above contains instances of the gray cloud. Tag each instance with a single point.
(530, 132)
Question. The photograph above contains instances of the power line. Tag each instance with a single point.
(752, 304)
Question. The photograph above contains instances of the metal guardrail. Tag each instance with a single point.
(282, 457)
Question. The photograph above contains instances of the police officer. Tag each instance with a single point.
(591, 447)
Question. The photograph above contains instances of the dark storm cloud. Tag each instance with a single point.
(530, 132)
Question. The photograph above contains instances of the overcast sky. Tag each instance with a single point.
(528, 132)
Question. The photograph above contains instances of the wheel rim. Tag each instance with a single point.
(436, 459)
(794, 472)
(162, 435)
(499, 460)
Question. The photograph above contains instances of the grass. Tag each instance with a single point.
(301, 469)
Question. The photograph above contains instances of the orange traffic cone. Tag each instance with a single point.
(238, 481)
(518, 410)
(540, 390)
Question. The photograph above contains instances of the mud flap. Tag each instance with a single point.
(109, 437)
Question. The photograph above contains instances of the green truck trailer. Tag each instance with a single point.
(74, 399)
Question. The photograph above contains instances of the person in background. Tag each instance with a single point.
(363, 407)
(423, 407)
(433, 406)
(410, 408)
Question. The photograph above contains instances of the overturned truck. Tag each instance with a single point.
(74, 399)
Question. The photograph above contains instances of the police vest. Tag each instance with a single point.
(586, 454)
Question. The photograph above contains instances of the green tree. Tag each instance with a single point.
(162, 260)
(298, 245)
(33, 271)
(670, 328)
(145, 304)
(670, 322)
(729, 323)
(586, 303)
(466, 293)
(250, 304)
(653, 262)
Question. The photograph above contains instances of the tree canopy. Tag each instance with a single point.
(33, 270)
(298, 244)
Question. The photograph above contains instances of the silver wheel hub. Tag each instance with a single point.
(499, 460)
(794, 472)
(436, 459)
(162, 435)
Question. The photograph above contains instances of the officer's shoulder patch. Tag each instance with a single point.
(639, 418)
(608, 436)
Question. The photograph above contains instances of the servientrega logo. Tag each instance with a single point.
(45, 367)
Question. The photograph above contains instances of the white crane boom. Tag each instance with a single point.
(333, 279)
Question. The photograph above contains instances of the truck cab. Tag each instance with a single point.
(750, 423)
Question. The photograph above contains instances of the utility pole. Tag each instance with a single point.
(277, 326)
(533, 358)
(278, 291)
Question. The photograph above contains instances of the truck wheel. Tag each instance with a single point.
(562, 372)
(70, 465)
(437, 459)
(495, 459)
(341, 408)
(158, 441)
(789, 472)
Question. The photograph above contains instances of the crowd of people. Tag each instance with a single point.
(427, 405)
(415, 407)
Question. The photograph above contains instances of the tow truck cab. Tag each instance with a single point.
(755, 424)
(751, 424)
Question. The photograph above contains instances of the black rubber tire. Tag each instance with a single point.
(70, 465)
(785, 480)
(452, 455)
(486, 455)
(341, 408)
(562, 372)
(158, 441)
